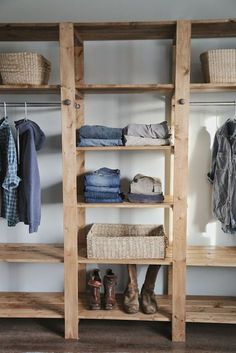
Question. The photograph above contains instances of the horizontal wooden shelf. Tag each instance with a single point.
(198, 309)
(125, 30)
(211, 309)
(83, 259)
(164, 313)
(33, 253)
(126, 148)
(21, 89)
(31, 305)
(168, 202)
(214, 28)
(212, 87)
(51, 305)
(29, 32)
(214, 256)
(219, 256)
(125, 88)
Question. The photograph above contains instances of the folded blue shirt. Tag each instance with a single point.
(102, 188)
(101, 195)
(103, 177)
(89, 142)
(91, 200)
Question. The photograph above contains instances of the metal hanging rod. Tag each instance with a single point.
(37, 104)
(216, 103)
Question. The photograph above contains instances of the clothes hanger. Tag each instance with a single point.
(26, 112)
(5, 110)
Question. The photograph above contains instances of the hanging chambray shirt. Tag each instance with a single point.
(223, 176)
(9, 180)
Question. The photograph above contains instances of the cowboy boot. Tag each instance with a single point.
(95, 286)
(131, 300)
(109, 282)
(148, 299)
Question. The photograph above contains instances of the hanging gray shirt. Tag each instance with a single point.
(223, 175)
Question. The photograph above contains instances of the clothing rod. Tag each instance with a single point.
(219, 103)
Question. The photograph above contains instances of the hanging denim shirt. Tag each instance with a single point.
(222, 175)
(9, 180)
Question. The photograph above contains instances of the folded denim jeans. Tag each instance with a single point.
(103, 177)
(155, 198)
(102, 188)
(150, 131)
(88, 142)
(101, 195)
(100, 132)
(91, 200)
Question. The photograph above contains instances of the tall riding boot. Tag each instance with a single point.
(148, 299)
(131, 295)
(109, 282)
(95, 284)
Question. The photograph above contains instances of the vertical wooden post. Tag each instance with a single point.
(79, 79)
(182, 87)
(69, 179)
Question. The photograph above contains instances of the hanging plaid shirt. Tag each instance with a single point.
(9, 180)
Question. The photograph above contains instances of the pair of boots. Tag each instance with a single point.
(95, 284)
(147, 300)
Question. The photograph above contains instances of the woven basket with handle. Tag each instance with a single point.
(219, 65)
(24, 68)
(126, 241)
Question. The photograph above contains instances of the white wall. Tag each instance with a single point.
(121, 62)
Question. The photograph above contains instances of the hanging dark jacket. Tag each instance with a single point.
(223, 175)
(31, 138)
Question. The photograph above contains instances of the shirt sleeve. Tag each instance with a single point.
(211, 173)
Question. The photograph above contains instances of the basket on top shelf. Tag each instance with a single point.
(219, 65)
(126, 241)
(24, 68)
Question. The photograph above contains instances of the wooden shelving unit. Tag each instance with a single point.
(175, 307)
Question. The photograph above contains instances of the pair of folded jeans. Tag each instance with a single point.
(100, 132)
(89, 142)
(92, 200)
(101, 195)
(154, 131)
(155, 198)
(103, 177)
(102, 188)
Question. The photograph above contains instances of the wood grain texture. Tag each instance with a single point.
(126, 148)
(124, 88)
(168, 202)
(212, 87)
(29, 32)
(31, 253)
(21, 89)
(182, 81)
(69, 179)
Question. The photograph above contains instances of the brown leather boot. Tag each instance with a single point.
(131, 295)
(109, 282)
(148, 299)
(95, 284)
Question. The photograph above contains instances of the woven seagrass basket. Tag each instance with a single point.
(219, 66)
(126, 241)
(24, 68)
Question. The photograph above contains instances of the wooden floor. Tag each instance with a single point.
(44, 335)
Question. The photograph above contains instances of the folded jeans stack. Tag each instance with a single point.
(98, 135)
(142, 134)
(145, 189)
(102, 186)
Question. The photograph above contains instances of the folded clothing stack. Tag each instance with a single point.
(98, 135)
(102, 186)
(145, 189)
(142, 134)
